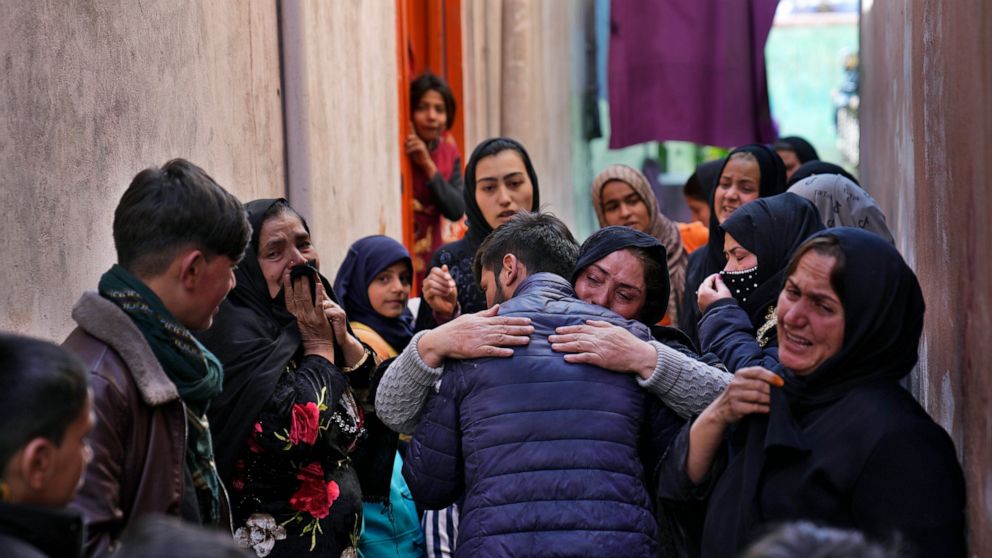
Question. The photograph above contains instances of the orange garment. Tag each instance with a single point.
(694, 235)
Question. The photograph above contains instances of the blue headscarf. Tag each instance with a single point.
(367, 258)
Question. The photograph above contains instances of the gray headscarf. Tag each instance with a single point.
(843, 203)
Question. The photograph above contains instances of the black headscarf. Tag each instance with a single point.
(709, 259)
(772, 183)
(883, 320)
(255, 337)
(772, 229)
(607, 240)
(367, 258)
(707, 174)
(478, 227)
(811, 168)
(804, 150)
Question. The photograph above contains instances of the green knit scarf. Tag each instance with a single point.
(195, 371)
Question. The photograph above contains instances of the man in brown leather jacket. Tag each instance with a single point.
(178, 237)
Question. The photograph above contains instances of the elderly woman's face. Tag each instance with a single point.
(623, 206)
(615, 282)
(810, 316)
(283, 243)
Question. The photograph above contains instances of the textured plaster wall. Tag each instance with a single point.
(342, 121)
(95, 91)
(926, 124)
(518, 84)
(92, 92)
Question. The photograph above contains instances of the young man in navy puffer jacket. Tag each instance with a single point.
(549, 456)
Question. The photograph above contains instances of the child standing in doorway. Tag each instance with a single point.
(437, 167)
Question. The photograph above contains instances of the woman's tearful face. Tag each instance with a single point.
(810, 316)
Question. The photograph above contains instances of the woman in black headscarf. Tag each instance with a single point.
(738, 304)
(626, 271)
(499, 181)
(829, 435)
(748, 173)
(795, 151)
(287, 422)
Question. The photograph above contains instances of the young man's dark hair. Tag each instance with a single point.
(168, 208)
(46, 416)
(804, 538)
(42, 390)
(159, 536)
(431, 82)
(540, 241)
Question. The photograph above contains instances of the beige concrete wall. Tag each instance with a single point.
(95, 90)
(926, 145)
(517, 83)
(342, 121)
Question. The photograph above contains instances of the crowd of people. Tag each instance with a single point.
(725, 387)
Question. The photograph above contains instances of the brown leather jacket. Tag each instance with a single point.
(139, 438)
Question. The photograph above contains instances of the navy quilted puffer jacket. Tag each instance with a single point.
(550, 456)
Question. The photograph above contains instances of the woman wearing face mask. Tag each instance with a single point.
(499, 181)
(738, 304)
(830, 435)
(374, 285)
(622, 196)
(748, 173)
(287, 422)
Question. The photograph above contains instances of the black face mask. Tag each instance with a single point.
(741, 283)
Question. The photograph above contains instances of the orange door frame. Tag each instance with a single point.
(428, 36)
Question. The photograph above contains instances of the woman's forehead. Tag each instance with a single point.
(624, 266)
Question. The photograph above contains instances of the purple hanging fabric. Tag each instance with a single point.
(691, 70)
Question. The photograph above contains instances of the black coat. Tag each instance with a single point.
(843, 444)
(897, 473)
(34, 532)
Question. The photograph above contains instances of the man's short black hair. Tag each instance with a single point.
(432, 82)
(42, 391)
(168, 209)
(160, 536)
(540, 241)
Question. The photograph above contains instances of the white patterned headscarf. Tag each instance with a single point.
(843, 203)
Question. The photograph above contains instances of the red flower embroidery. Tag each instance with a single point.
(238, 477)
(306, 423)
(314, 495)
(253, 445)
